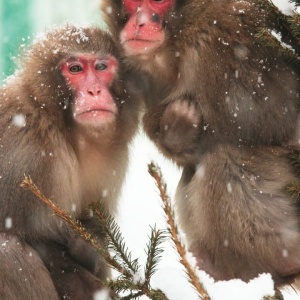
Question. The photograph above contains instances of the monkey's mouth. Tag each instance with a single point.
(140, 46)
(95, 116)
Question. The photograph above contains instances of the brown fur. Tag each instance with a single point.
(72, 165)
(219, 102)
(22, 272)
(237, 215)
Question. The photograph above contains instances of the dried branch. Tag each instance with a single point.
(74, 224)
(193, 278)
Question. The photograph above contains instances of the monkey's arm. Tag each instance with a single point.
(70, 277)
(175, 130)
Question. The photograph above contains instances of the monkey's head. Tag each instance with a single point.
(143, 27)
(74, 73)
(147, 34)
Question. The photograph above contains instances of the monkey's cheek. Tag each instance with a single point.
(95, 118)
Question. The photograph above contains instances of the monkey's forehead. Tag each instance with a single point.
(50, 47)
(65, 33)
(73, 38)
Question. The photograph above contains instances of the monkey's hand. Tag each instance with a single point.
(179, 131)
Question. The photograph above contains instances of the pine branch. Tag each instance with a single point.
(278, 296)
(75, 225)
(122, 260)
(133, 296)
(295, 160)
(281, 22)
(294, 22)
(124, 285)
(116, 241)
(153, 253)
(268, 40)
(193, 278)
(293, 189)
(122, 255)
(296, 2)
(271, 298)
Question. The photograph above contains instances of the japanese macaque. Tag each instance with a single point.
(224, 107)
(66, 121)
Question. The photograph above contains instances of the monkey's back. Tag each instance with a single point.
(232, 75)
(238, 216)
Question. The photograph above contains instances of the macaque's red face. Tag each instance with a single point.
(144, 31)
(90, 77)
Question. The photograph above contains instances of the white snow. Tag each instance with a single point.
(101, 295)
(200, 171)
(229, 187)
(284, 5)
(108, 9)
(8, 223)
(19, 120)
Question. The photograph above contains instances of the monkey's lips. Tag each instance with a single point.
(95, 116)
(140, 46)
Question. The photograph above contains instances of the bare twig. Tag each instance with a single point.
(194, 280)
(74, 224)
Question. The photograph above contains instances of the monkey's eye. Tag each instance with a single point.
(75, 69)
(101, 66)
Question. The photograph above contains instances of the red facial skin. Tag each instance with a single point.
(143, 31)
(90, 77)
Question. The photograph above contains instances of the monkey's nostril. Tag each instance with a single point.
(142, 19)
(94, 91)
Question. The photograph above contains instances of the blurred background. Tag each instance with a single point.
(20, 20)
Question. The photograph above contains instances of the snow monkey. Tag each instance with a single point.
(224, 107)
(66, 120)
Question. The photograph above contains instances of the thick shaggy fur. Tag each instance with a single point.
(224, 107)
(72, 164)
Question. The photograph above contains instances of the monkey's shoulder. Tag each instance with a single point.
(22, 119)
(226, 22)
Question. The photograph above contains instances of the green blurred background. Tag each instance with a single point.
(20, 20)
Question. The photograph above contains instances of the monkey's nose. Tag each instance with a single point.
(95, 90)
(141, 19)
